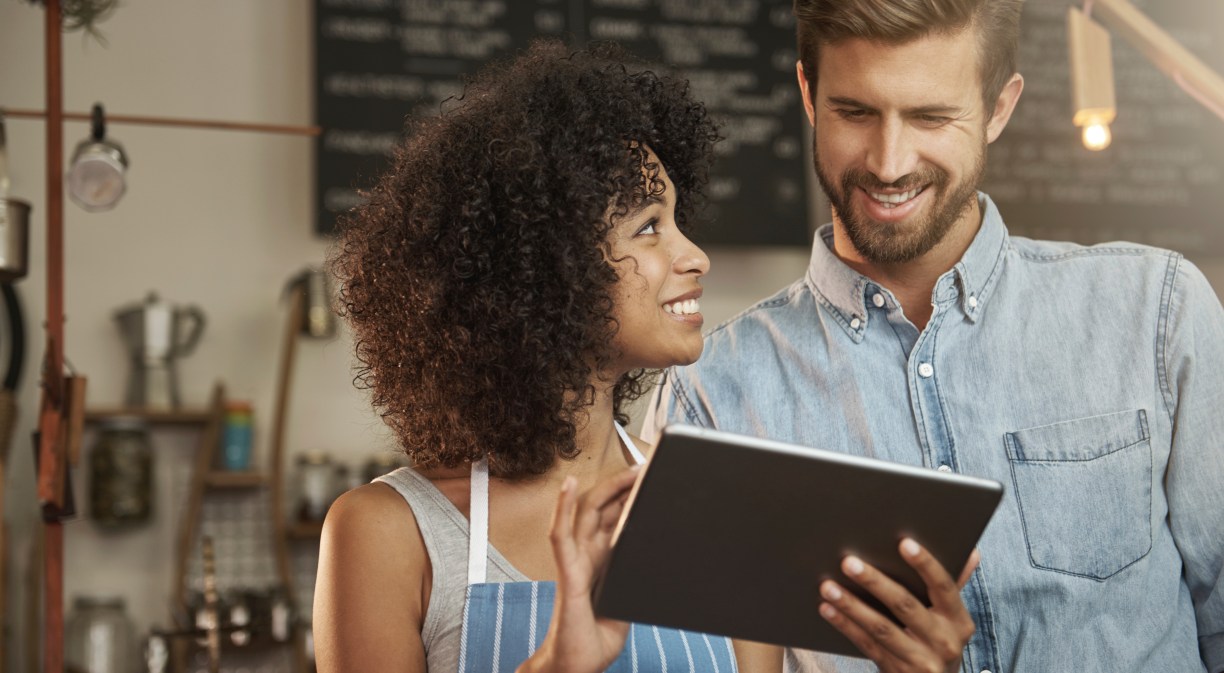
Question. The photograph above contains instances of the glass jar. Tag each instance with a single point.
(382, 463)
(316, 480)
(100, 637)
(121, 474)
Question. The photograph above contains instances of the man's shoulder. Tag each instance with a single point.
(1067, 252)
(751, 337)
(789, 303)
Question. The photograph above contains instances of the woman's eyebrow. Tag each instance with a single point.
(650, 200)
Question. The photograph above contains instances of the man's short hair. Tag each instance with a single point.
(997, 23)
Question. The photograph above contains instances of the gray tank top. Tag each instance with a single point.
(445, 532)
(447, 535)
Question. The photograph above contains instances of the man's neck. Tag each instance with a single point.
(913, 282)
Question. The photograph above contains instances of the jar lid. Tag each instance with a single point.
(124, 423)
(86, 602)
(314, 458)
(385, 459)
(238, 406)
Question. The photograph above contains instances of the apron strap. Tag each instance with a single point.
(478, 511)
(629, 444)
(478, 514)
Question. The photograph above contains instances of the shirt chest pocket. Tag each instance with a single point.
(1085, 492)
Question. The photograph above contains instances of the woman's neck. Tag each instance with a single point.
(600, 450)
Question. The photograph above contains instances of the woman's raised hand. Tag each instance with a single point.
(581, 535)
(932, 638)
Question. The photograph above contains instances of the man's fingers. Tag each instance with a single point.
(855, 633)
(874, 634)
(974, 559)
(941, 589)
(895, 597)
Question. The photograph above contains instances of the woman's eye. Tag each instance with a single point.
(648, 228)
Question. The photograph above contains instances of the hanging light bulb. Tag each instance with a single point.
(1097, 137)
(1092, 79)
(97, 178)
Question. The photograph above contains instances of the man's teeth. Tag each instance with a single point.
(686, 307)
(892, 200)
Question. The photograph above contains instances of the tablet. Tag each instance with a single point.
(732, 535)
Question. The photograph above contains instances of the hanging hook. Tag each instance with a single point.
(97, 122)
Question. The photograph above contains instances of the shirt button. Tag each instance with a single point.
(985, 670)
(945, 468)
(925, 370)
(854, 323)
(878, 300)
(973, 304)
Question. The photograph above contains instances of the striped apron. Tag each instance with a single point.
(504, 622)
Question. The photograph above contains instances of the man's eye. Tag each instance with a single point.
(851, 114)
(649, 227)
(934, 120)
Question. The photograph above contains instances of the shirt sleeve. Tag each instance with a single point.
(1193, 362)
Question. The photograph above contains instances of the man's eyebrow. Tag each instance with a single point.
(920, 110)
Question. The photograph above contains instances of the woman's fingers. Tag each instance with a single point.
(602, 503)
(561, 533)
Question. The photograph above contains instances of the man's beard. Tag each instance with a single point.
(894, 243)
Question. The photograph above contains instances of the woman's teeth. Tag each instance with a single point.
(686, 307)
(894, 200)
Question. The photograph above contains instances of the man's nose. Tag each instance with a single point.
(891, 155)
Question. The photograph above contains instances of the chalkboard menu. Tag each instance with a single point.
(378, 61)
(1161, 182)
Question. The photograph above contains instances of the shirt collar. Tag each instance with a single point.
(849, 295)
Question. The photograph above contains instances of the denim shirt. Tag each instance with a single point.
(1088, 380)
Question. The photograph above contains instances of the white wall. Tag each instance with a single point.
(218, 219)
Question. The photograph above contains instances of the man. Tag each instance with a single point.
(1088, 380)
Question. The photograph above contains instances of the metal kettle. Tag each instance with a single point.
(14, 223)
(156, 334)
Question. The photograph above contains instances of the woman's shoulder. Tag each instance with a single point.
(373, 583)
(372, 514)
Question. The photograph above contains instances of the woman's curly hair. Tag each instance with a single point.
(476, 277)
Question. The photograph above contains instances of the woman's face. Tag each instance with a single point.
(658, 290)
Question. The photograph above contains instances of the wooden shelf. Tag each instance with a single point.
(304, 531)
(164, 416)
(235, 479)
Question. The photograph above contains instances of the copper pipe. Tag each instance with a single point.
(53, 375)
(169, 121)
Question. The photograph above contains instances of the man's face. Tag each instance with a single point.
(900, 141)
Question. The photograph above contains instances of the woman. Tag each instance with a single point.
(510, 282)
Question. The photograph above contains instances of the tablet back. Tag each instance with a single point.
(732, 535)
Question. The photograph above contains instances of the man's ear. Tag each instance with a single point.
(805, 93)
(1004, 106)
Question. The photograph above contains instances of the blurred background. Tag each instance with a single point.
(188, 301)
